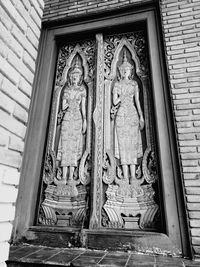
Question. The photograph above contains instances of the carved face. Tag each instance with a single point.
(75, 78)
(125, 73)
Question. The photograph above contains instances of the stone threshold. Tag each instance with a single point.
(29, 255)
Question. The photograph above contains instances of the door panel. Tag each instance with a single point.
(67, 168)
(130, 171)
(120, 162)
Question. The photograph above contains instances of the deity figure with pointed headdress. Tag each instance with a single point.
(73, 125)
(129, 120)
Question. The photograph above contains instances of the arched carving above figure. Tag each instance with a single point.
(86, 50)
(134, 44)
(69, 61)
(124, 45)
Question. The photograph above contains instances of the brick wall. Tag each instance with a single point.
(20, 23)
(59, 9)
(181, 31)
(181, 26)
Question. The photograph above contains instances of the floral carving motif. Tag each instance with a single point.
(49, 167)
(149, 166)
(108, 168)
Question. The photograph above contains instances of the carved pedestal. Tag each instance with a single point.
(64, 205)
(130, 210)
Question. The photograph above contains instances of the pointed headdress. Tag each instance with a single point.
(76, 68)
(125, 64)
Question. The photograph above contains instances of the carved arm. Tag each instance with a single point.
(137, 102)
(65, 104)
(83, 111)
(116, 98)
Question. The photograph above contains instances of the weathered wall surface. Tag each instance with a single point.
(20, 25)
(181, 31)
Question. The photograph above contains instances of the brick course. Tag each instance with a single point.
(20, 24)
(56, 9)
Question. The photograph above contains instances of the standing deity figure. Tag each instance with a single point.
(73, 125)
(129, 120)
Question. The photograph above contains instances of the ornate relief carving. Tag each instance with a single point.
(149, 166)
(135, 39)
(63, 206)
(130, 206)
(67, 167)
(129, 201)
(85, 168)
(67, 53)
(108, 168)
(49, 167)
(129, 120)
(123, 165)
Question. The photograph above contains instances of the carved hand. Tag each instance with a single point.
(65, 105)
(57, 163)
(119, 101)
(116, 101)
(84, 126)
(141, 123)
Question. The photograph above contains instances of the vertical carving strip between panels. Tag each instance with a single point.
(98, 122)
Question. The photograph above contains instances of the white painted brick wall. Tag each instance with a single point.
(20, 24)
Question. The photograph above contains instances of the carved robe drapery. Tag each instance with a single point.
(71, 141)
(128, 144)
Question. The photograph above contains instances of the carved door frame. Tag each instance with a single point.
(176, 234)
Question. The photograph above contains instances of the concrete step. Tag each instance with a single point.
(28, 255)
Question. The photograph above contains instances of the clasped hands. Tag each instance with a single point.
(141, 123)
(65, 106)
(84, 127)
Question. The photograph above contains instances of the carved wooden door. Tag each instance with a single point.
(100, 167)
